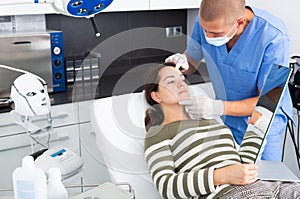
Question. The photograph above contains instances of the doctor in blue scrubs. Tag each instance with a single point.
(239, 44)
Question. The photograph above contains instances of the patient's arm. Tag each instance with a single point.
(250, 146)
(168, 181)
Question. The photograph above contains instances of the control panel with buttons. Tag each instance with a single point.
(58, 65)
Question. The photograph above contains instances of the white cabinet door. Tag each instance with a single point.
(94, 170)
(174, 4)
(116, 5)
(26, 9)
(125, 5)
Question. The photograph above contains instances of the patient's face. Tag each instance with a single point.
(172, 86)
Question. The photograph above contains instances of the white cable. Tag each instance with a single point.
(22, 71)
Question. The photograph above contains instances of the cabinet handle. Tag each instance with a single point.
(21, 42)
(58, 116)
(11, 142)
(61, 115)
(92, 133)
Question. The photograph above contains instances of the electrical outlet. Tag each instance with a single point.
(175, 31)
(169, 32)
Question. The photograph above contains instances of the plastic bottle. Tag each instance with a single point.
(56, 189)
(29, 181)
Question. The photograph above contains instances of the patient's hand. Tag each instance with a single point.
(261, 118)
(237, 174)
(254, 117)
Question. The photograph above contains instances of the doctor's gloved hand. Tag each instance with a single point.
(179, 60)
(203, 107)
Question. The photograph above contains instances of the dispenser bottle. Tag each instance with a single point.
(29, 181)
(56, 189)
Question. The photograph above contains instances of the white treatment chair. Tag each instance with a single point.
(119, 125)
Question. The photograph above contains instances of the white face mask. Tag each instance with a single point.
(30, 96)
(219, 41)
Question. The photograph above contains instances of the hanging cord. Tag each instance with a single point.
(38, 142)
(48, 129)
(97, 33)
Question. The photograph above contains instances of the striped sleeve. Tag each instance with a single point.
(171, 183)
(252, 144)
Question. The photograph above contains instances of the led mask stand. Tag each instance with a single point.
(55, 156)
(29, 93)
(30, 96)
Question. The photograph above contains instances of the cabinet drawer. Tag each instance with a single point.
(175, 4)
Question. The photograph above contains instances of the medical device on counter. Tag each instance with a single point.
(61, 157)
(73, 8)
(30, 97)
(41, 53)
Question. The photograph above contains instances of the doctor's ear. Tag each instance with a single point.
(241, 21)
(155, 97)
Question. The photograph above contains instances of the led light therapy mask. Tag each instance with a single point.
(29, 96)
(219, 41)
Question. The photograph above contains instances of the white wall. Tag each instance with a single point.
(191, 17)
(288, 11)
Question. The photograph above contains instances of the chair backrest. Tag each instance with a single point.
(119, 125)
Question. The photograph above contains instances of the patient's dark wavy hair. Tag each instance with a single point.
(154, 115)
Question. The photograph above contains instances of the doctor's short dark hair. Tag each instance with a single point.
(211, 10)
(154, 115)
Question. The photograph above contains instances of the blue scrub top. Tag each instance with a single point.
(239, 73)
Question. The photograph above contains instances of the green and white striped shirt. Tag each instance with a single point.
(182, 156)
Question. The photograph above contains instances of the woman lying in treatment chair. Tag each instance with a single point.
(197, 158)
